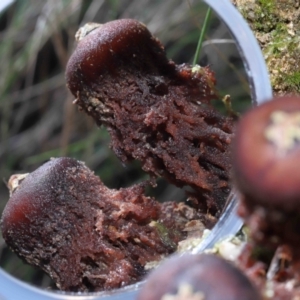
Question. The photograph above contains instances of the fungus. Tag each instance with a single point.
(197, 277)
(87, 237)
(266, 155)
(90, 238)
(156, 112)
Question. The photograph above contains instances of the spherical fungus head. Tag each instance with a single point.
(116, 45)
(266, 154)
(198, 277)
(30, 204)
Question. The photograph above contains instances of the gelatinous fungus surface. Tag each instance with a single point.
(85, 236)
(198, 277)
(156, 111)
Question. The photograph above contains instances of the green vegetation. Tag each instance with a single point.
(276, 26)
(201, 37)
(266, 19)
(293, 80)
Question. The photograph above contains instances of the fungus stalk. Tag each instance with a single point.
(156, 112)
(87, 237)
(266, 153)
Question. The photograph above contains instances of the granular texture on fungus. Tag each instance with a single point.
(85, 236)
(88, 237)
(156, 112)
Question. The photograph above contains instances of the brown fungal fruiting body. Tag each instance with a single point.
(266, 155)
(84, 235)
(197, 277)
(266, 171)
(156, 112)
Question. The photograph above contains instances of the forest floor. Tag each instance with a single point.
(276, 24)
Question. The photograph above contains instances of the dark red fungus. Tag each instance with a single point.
(197, 277)
(266, 171)
(85, 236)
(156, 112)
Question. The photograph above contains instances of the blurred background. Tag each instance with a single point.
(37, 118)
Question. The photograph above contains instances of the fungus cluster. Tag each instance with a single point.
(87, 237)
(90, 238)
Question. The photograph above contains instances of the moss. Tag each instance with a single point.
(276, 25)
(266, 18)
(282, 57)
(267, 5)
(293, 80)
(278, 41)
(261, 14)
